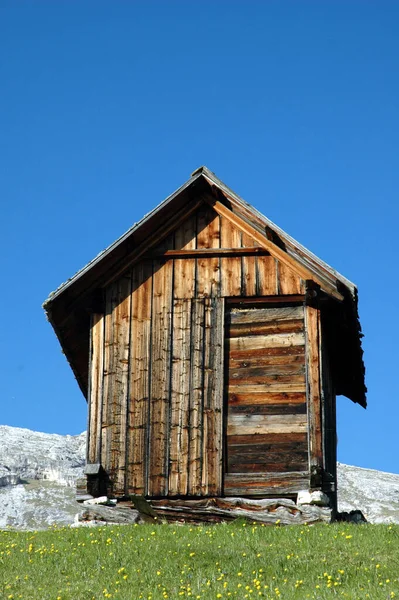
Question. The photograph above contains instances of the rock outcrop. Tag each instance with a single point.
(27, 455)
(374, 493)
(38, 472)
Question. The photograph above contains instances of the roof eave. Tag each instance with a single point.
(104, 253)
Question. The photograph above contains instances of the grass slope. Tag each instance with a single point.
(238, 560)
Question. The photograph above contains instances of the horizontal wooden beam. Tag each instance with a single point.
(292, 299)
(210, 252)
(267, 244)
(265, 484)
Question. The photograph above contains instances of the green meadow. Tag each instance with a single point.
(238, 560)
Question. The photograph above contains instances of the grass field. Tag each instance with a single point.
(239, 560)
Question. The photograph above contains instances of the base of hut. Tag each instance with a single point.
(217, 510)
(268, 511)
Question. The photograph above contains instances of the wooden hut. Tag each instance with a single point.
(210, 347)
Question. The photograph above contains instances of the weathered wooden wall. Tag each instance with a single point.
(157, 361)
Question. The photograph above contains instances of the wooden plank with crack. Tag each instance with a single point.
(290, 483)
(180, 399)
(161, 343)
(107, 425)
(184, 268)
(249, 266)
(282, 387)
(96, 388)
(213, 398)
(265, 315)
(121, 324)
(251, 375)
(230, 237)
(271, 327)
(196, 397)
(266, 276)
(207, 269)
(288, 281)
(264, 398)
(267, 341)
(266, 360)
(262, 424)
(137, 460)
(314, 391)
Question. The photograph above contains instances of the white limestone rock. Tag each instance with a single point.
(107, 514)
(317, 498)
(38, 472)
(102, 500)
(375, 493)
(30, 455)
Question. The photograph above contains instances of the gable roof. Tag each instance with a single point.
(69, 306)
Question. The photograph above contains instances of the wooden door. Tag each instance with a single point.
(266, 447)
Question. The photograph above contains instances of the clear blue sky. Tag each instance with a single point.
(107, 107)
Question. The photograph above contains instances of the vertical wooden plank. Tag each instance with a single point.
(185, 234)
(180, 399)
(249, 267)
(208, 269)
(167, 243)
(161, 342)
(211, 480)
(230, 268)
(96, 388)
(266, 276)
(121, 324)
(108, 382)
(218, 367)
(207, 403)
(184, 268)
(196, 398)
(288, 281)
(313, 388)
(139, 378)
